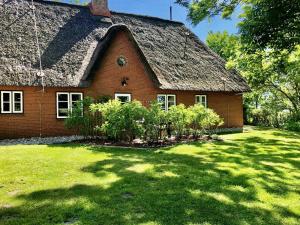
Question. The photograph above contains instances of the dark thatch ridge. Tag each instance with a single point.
(72, 40)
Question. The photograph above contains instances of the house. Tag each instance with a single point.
(79, 51)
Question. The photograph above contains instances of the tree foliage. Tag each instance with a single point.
(265, 23)
(223, 43)
(272, 74)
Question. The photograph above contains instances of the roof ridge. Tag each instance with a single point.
(114, 12)
(51, 2)
(148, 17)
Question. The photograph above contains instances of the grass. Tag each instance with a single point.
(249, 179)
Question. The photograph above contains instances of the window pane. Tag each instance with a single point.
(123, 99)
(63, 112)
(6, 97)
(76, 97)
(162, 100)
(201, 99)
(63, 105)
(6, 107)
(17, 97)
(170, 104)
(171, 101)
(171, 98)
(63, 97)
(18, 107)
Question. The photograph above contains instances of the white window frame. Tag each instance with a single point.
(167, 101)
(2, 102)
(122, 95)
(201, 96)
(13, 101)
(69, 94)
(71, 102)
(12, 106)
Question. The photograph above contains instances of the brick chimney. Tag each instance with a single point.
(99, 8)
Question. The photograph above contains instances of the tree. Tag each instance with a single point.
(223, 43)
(276, 72)
(265, 23)
(273, 76)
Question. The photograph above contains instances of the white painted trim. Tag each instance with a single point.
(57, 108)
(13, 101)
(161, 95)
(2, 102)
(167, 101)
(205, 96)
(70, 99)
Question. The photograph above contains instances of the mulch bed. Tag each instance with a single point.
(141, 144)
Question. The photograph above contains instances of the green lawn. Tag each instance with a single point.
(251, 178)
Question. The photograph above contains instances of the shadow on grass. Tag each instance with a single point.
(170, 188)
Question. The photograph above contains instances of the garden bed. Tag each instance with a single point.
(137, 143)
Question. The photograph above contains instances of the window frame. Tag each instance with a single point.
(123, 95)
(12, 102)
(2, 102)
(201, 96)
(69, 94)
(71, 102)
(166, 100)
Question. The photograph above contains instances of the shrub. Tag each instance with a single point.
(103, 99)
(155, 122)
(203, 119)
(293, 126)
(179, 118)
(198, 114)
(131, 120)
(82, 119)
(122, 121)
(212, 120)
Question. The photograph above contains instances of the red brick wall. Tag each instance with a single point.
(41, 118)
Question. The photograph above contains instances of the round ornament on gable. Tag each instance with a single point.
(121, 61)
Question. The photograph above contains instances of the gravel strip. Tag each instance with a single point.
(40, 141)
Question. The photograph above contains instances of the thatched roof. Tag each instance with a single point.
(71, 39)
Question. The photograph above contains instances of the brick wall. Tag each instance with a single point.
(39, 115)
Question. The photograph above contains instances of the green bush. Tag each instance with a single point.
(179, 118)
(122, 121)
(203, 119)
(131, 120)
(103, 99)
(212, 120)
(198, 114)
(82, 119)
(293, 125)
(155, 122)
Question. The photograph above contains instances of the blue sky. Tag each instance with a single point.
(160, 8)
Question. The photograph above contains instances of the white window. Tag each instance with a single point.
(123, 97)
(65, 102)
(17, 100)
(11, 102)
(74, 98)
(166, 101)
(201, 99)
